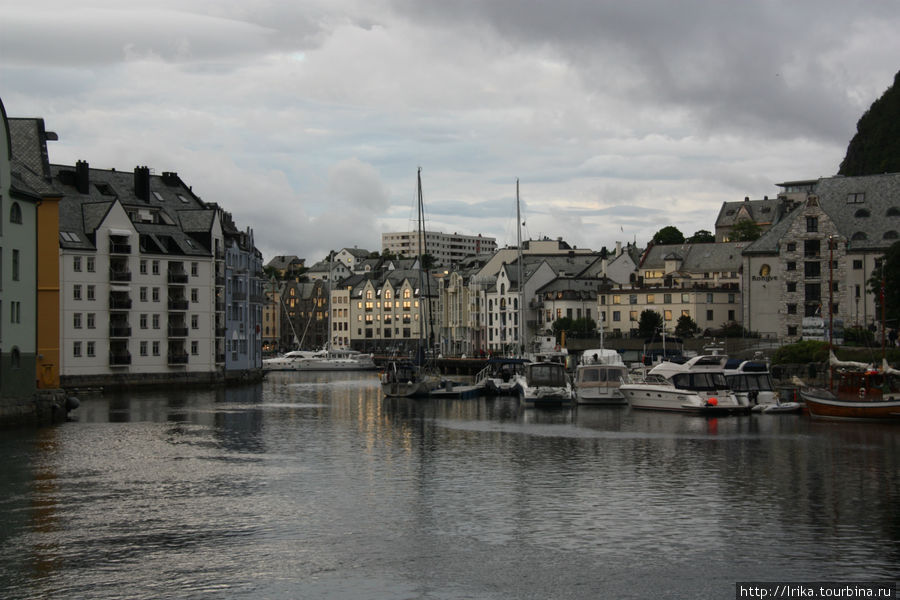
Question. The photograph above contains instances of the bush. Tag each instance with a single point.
(859, 336)
(807, 351)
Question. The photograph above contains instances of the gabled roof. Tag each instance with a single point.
(865, 210)
(696, 258)
(763, 211)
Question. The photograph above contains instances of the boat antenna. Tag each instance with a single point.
(830, 308)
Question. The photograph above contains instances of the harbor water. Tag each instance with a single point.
(316, 486)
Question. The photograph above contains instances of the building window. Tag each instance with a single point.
(792, 330)
(195, 322)
(76, 348)
(143, 348)
(709, 298)
(667, 315)
(195, 348)
(91, 290)
(15, 265)
(76, 264)
(633, 315)
(91, 320)
(791, 266)
(143, 321)
(155, 267)
(155, 321)
(791, 246)
(791, 286)
(731, 315)
(143, 267)
(617, 316)
(156, 294)
(632, 299)
(792, 309)
(857, 265)
(76, 292)
(90, 348)
(195, 295)
(91, 263)
(76, 320)
(856, 198)
(651, 299)
(667, 298)
(143, 294)
(709, 315)
(812, 224)
(812, 269)
(156, 348)
(194, 269)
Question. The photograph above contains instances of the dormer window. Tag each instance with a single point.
(861, 213)
(105, 189)
(857, 198)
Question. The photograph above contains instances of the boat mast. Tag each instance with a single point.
(423, 278)
(520, 274)
(328, 344)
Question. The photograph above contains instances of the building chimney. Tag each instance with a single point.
(82, 177)
(142, 183)
(618, 248)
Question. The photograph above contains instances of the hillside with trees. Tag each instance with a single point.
(875, 148)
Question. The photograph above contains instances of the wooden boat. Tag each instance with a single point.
(863, 392)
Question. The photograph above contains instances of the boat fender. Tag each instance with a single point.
(72, 402)
(712, 402)
(862, 393)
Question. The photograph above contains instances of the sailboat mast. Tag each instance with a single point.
(423, 248)
(520, 274)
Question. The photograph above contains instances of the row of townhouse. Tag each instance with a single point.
(149, 283)
(822, 239)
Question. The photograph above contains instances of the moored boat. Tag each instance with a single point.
(862, 392)
(598, 377)
(407, 380)
(697, 385)
(546, 384)
(501, 377)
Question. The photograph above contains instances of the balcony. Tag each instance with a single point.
(119, 248)
(119, 275)
(119, 302)
(119, 359)
(178, 331)
(178, 358)
(119, 330)
(178, 304)
(178, 277)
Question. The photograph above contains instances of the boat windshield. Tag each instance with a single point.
(704, 382)
(603, 374)
(750, 382)
(546, 374)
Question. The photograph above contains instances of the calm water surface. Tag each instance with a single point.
(315, 486)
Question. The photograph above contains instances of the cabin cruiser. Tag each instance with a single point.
(598, 377)
(321, 360)
(751, 379)
(501, 376)
(546, 384)
(697, 385)
(404, 379)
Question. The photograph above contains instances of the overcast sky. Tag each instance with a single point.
(307, 119)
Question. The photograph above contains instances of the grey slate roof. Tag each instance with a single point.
(761, 211)
(184, 213)
(873, 230)
(30, 165)
(696, 258)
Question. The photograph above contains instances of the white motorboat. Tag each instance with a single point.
(288, 361)
(501, 376)
(697, 385)
(752, 379)
(598, 377)
(546, 384)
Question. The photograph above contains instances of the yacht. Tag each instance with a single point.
(501, 377)
(320, 360)
(546, 384)
(751, 379)
(598, 377)
(697, 385)
(289, 361)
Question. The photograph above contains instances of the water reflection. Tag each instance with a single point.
(318, 486)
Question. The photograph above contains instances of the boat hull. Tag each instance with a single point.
(823, 405)
(650, 397)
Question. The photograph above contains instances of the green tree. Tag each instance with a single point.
(650, 321)
(887, 272)
(686, 327)
(875, 148)
(807, 351)
(702, 237)
(745, 230)
(668, 235)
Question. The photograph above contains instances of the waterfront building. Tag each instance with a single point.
(446, 248)
(271, 333)
(286, 267)
(823, 251)
(700, 281)
(141, 278)
(389, 312)
(18, 275)
(244, 298)
(304, 315)
(764, 213)
(569, 297)
(31, 170)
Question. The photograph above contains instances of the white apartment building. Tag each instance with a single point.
(446, 248)
(140, 278)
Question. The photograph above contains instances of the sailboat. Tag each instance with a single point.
(543, 381)
(406, 378)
